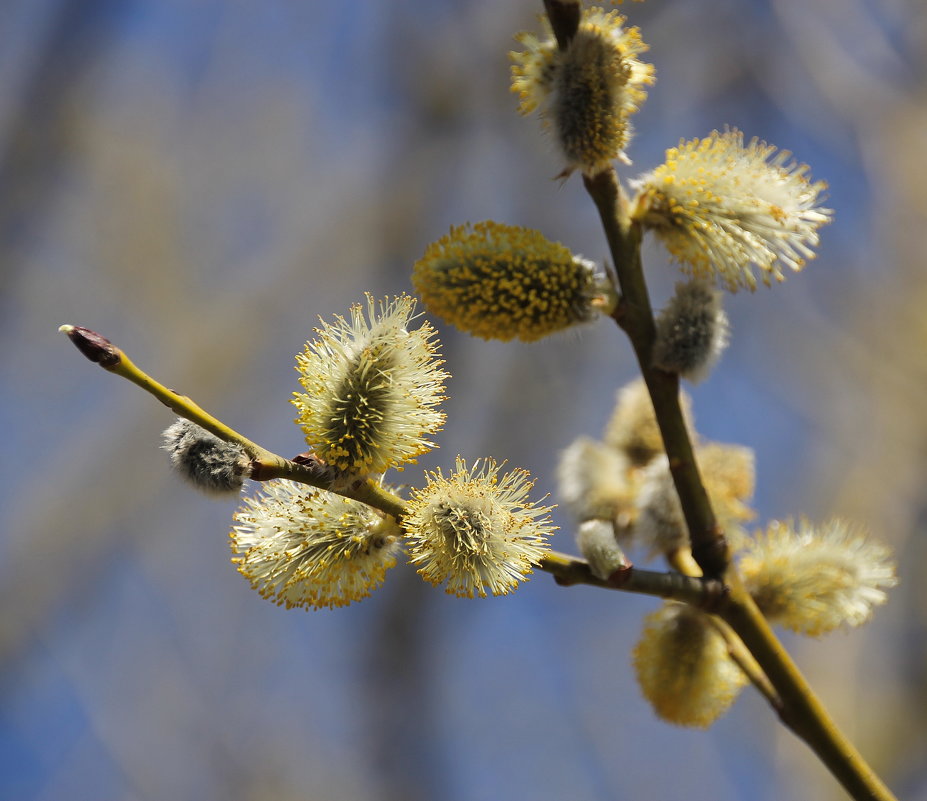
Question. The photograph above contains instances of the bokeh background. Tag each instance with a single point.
(199, 180)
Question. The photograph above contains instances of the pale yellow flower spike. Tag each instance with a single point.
(303, 547)
(813, 579)
(476, 530)
(503, 282)
(633, 429)
(595, 481)
(588, 92)
(372, 386)
(684, 668)
(728, 473)
(722, 209)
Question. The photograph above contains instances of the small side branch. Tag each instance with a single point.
(266, 465)
(705, 594)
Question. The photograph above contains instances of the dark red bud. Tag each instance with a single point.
(95, 347)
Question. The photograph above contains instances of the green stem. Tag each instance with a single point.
(747, 663)
(265, 464)
(800, 709)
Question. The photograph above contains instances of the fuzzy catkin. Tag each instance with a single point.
(506, 282)
(692, 331)
(303, 547)
(205, 461)
(597, 543)
(683, 667)
(593, 480)
(476, 529)
(723, 209)
(586, 92)
(814, 578)
(372, 388)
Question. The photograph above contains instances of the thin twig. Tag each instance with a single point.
(708, 595)
(265, 464)
(705, 594)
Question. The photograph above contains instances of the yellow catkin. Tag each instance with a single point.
(504, 282)
(587, 92)
(722, 208)
(683, 667)
(303, 547)
(476, 529)
(814, 578)
(372, 386)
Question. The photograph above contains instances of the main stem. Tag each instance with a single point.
(635, 315)
(799, 708)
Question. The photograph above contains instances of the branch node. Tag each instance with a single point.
(711, 553)
(621, 576)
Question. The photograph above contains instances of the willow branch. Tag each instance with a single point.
(706, 594)
(797, 706)
(635, 315)
(800, 709)
(265, 464)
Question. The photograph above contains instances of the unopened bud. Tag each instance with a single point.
(94, 346)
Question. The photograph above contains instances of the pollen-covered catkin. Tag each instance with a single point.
(303, 547)
(814, 578)
(721, 208)
(205, 461)
(692, 331)
(505, 282)
(684, 668)
(372, 386)
(586, 92)
(476, 530)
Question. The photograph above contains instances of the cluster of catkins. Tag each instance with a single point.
(372, 386)
(808, 578)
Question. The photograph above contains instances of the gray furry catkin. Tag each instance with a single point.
(205, 461)
(691, 331)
